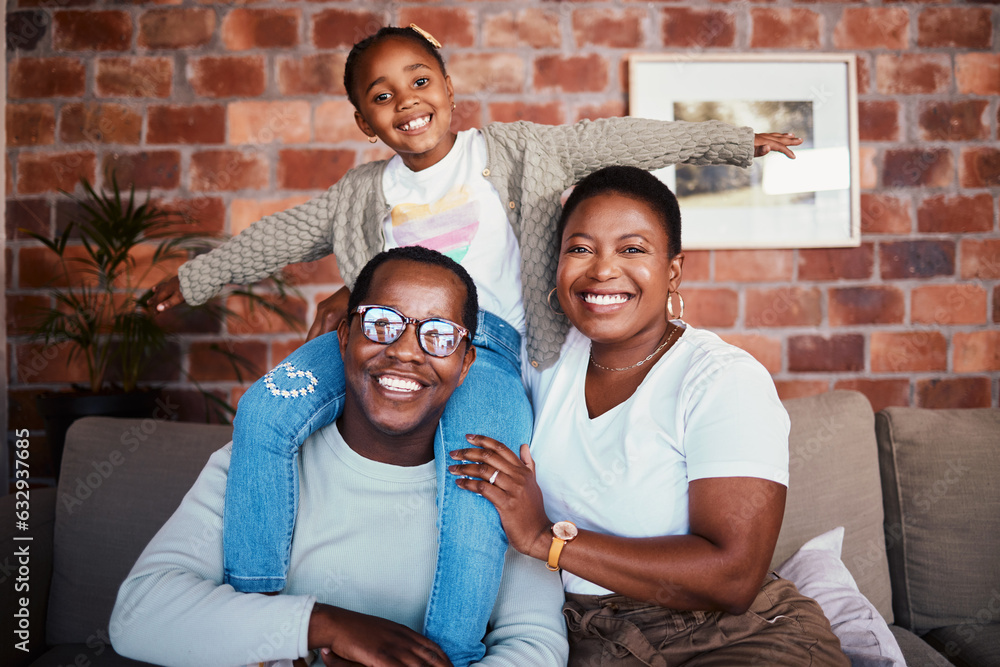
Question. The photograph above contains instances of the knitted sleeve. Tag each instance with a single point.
(648, 144)
(300, 234)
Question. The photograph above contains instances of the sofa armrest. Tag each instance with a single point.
(25, 581)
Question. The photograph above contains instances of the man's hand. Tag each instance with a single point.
(329, 313)
(359, 639)
(166, 295)
(765, 143)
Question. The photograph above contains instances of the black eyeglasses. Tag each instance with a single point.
(436, 336)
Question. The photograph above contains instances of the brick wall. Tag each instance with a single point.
(232, 111)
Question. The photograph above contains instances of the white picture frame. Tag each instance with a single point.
(812, 201)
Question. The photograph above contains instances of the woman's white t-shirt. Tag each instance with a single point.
(705, 409)
(451, 207)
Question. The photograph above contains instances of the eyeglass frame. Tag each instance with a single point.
(361, 310)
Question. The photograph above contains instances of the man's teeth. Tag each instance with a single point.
(398, 384)
(605, 299)
(415, 124)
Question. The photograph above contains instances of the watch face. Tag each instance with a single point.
(564, 530)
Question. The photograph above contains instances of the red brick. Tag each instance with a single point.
(200, 215)
(200, 124)
(954, 121)
(486, 73)
(312, 169)
(885, 214)
(878, 120)
(176, 28)
(699, 28)
(913, 73)
(845, 352)
(100, 123)
(916, 259)
(800, 388)
(23, 310)
(30, 124)
(785, 28)
(321, 272)
(38, 267)
(711, 307)
(864, 75)
(546, 113)
(837, 263)
(280, 349)
(34, 215)
(571, 74)
(51, 172)
(334, 123)
(337, 28)
(610, 109)
(905, 351)
(783, 307)
(948, 304)
(863, 28)
(962, 392)
(450, 26)
(869, 172)
(764, 349)
(41, 364)
(315, 74)
(980, 259)
(946, 214)
(149, 169)
(46, 77)
(228, 76)
(134, 77)
(996, 304)
(976, 351)
(207, 365)
(697, 265)
(978, 73)
(255, 320)
(532, 27)
(266, 122)
(881, 393)
(92, 31)
(25, 30)
(621, 29)
(754, 265)
(980, 167)
(244, 29)
(953, 26)
(228, 170)
(866, 305)
(914, 167)
(466, 115)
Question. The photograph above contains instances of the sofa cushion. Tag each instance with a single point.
(918, 653)
(833, 481)
(941, 488)
(969, 644)
(120, 480)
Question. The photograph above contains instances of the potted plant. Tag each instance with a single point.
(105, 261)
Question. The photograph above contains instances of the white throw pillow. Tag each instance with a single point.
(817, 571)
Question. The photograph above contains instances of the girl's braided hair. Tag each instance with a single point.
(383, 34)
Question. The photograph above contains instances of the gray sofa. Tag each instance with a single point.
(928, 488)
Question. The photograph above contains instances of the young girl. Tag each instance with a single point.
(487, 198)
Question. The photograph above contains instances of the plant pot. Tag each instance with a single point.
(60, 410)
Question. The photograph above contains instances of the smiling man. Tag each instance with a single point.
(365, 540)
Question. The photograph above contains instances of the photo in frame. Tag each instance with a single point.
(812, 201)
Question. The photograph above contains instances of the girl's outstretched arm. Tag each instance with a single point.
(765, 143)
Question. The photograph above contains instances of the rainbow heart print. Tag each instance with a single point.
(447, 225)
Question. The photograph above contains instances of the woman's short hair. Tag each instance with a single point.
(387, 32)
(633, 183)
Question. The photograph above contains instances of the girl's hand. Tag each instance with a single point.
(765, 143)
(329, 312)
(166, 295)
(514, 491)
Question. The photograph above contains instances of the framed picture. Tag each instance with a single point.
(812, 201)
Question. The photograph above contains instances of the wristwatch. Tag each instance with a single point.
(562, 532)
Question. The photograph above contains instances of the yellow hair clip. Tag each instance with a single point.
(426, 35)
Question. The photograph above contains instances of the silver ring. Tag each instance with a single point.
(493, 477)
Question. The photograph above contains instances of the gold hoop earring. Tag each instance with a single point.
(670, 305)
(549, 300)
(373, 140)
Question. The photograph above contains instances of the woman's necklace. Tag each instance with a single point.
(636, 365)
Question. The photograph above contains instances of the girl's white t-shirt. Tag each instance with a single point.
(705, 409)
(451, 207)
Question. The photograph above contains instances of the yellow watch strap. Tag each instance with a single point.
(554, 552)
